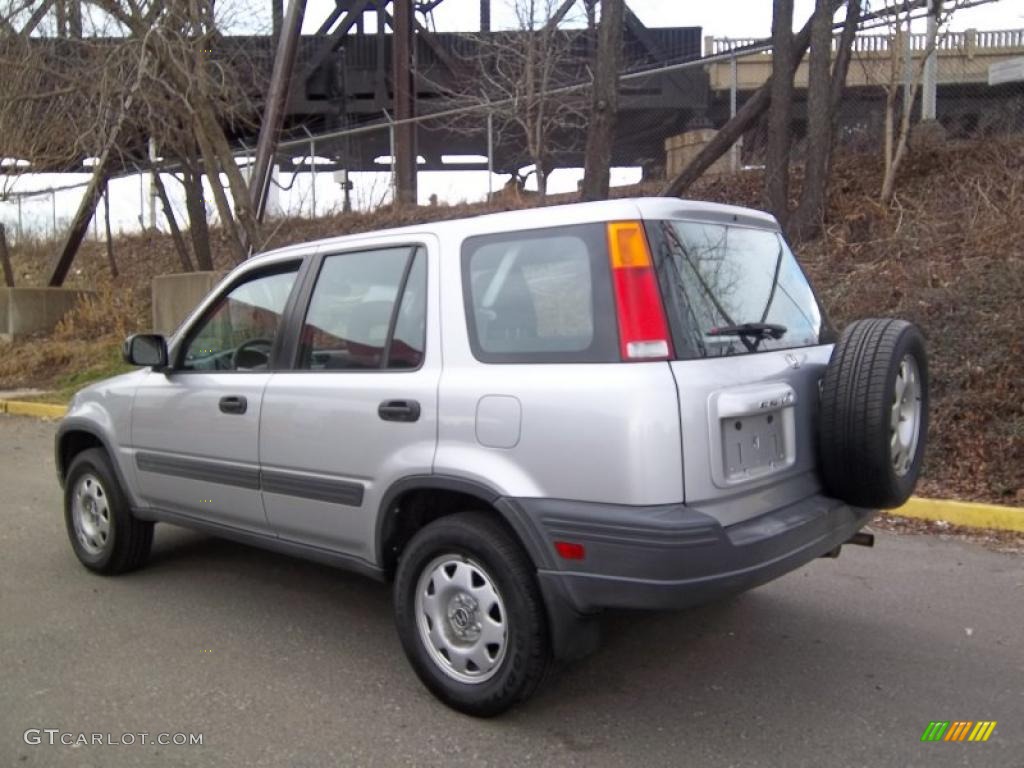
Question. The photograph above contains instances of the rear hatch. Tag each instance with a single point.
(750, 345)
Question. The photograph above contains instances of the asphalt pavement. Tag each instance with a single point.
(279, 662)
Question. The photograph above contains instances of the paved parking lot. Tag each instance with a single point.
(277, 662)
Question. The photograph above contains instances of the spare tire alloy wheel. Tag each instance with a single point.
(905, 420)
(873, 423)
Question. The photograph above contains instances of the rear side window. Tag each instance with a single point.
(732, 290)
(368, 311)
(540, 296)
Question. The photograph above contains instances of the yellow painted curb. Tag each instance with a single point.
(41, 410)
(973, 514)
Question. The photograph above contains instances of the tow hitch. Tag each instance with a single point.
(861, 539)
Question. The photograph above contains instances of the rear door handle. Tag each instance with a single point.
(399, 410)
(233, 404)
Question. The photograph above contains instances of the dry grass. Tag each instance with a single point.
(948, 255)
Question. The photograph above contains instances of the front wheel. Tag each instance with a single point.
(470, 615)
(106, 537)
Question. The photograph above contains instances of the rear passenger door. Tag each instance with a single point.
(358, 409)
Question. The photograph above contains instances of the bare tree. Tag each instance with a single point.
(904, 82)
(824, 96)
(605, 101)
(516, 75)
(67, 98)
(747, 116)
(780, 113)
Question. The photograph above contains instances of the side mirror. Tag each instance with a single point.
(146, 349)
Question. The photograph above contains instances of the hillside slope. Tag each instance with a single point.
(949, 255)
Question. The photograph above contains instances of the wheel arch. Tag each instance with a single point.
(412, 502)
(73, 437)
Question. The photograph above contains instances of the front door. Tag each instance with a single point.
(195, 427)
(359, 410)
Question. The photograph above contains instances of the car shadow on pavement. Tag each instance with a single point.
(719, 663)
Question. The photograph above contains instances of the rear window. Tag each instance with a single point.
(733, 290)
(540, 296)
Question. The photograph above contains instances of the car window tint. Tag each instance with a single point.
(411, 324)
(532, 295)
(239, 332)
(349, 319)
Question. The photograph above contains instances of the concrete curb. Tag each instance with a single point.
(39, 410)
(969, 513)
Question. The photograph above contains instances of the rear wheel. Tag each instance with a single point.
(470, 615)
(874, 414)
(104, 534)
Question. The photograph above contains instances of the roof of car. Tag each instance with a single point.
(650, 208)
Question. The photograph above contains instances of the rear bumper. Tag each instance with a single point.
(676, 556)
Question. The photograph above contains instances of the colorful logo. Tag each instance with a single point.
(958, 730)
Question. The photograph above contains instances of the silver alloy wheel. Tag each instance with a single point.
(461, 618)
(90, 512)
(905, 417)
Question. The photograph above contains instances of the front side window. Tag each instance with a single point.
(368, 311)
(239, 332)
(733, 290)
(540, 296)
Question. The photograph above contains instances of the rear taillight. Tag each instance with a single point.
(643, 332)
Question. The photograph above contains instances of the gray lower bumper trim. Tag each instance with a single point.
(674, 556)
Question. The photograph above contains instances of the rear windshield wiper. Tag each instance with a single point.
(751, 334)
(772, 330)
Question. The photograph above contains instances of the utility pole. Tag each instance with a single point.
(404, 104)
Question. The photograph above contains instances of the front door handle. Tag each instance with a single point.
(399, 410)
(233, 404)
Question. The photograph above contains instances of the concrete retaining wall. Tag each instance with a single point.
(681, 149)
(24, 311)
(175, 296)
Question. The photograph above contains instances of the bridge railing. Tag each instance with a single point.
(969, 42)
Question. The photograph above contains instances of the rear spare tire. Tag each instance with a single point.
(874, 414)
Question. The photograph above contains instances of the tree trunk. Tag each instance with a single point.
(824, 101)
(172, 223)
(731, 132)
(5, 258)
(780, 114)
(896, 142)
(605, 103)
(239, 188)
(109, 244)
(198, 227)
(227, 219)
(806, 221)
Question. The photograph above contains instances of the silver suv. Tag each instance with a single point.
(520, 419)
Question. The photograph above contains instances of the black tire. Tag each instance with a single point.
(858, 394)
(478, 538)
(126, 543)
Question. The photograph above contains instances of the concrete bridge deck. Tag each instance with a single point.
(964, 58)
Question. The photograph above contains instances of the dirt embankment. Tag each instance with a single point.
(948, 255)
